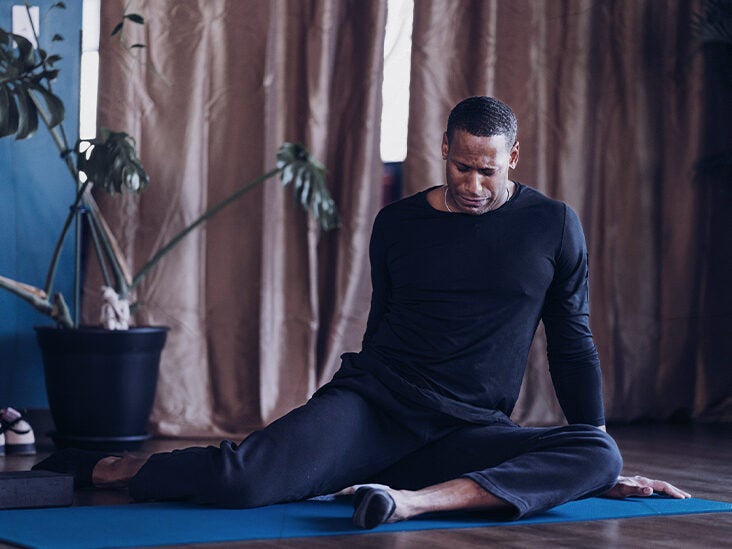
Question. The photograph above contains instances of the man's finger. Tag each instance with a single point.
(662, 487)
(639, 491)
(674, 492)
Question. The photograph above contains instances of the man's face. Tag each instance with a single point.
(476, 171)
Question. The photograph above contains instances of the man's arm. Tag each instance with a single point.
(573, 359)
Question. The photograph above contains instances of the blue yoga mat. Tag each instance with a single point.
(147, 524)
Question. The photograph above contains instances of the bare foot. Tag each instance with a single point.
(116, 472)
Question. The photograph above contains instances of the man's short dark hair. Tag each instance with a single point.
(483, 117)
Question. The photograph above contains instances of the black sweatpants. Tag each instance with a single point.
(341, 438)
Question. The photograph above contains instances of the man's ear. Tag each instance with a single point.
(445, 146)
(513, 156)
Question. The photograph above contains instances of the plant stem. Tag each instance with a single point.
(63, 148)
(62, 238)
(98, 252)
(111, 250)
(34, 296)
(57, 309)
(78, 219)
(202, 218)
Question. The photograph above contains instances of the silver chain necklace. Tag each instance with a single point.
(446, 205)
(508, 197)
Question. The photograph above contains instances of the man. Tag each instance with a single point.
(461, 275)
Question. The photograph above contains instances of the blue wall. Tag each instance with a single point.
(35, 192)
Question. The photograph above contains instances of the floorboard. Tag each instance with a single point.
(695, 457)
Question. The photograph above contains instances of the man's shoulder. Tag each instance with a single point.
(410, 204)
(535, 197)
(545, 210)
(538, 205)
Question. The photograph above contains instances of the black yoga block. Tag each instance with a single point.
(22, 489)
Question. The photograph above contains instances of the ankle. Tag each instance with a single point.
(407, 504)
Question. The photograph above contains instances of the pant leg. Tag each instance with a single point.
(337, 439)
(534, 469)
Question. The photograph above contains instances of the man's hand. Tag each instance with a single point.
(641, 486)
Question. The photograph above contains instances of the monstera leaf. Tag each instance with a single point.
(25, 93)
(307, 177)
(111, 163)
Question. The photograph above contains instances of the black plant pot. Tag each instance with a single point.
(101, 384)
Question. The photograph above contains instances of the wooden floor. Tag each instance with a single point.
(697, 458)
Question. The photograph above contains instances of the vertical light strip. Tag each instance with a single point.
(395, 89)
(89, 84)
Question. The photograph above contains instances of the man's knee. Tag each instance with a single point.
(603, 454)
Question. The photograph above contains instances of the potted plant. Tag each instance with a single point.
(101, 380)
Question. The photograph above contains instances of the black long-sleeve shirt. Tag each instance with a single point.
(457, 299)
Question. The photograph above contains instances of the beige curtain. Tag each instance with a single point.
(260, 301)
(609, 100)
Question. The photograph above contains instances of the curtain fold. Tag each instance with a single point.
(260, 301)
(608, 99)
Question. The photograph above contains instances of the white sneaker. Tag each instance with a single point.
(18, 434)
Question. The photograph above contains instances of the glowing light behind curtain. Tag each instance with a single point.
(89, 84)
(395, 89)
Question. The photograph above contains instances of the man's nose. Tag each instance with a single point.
(474, 183)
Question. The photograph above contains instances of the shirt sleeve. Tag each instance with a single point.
(573, 359)
(379, 278)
